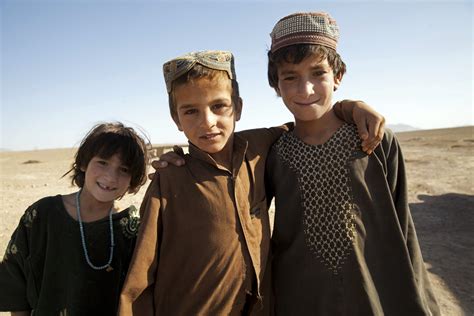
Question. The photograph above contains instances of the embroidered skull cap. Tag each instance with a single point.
(213, 59)
(305, 28)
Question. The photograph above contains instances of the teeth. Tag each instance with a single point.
(104, 187)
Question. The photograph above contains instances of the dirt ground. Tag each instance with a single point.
(440, 173)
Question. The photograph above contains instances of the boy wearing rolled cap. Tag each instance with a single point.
(204, 240)
(344, 242)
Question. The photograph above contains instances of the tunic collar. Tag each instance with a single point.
(239, 150)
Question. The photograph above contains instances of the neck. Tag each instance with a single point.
(318, 131)
(91, 209)
(223, 158)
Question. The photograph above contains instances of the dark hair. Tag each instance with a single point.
(198, 72)
(296, 53)
(105, 140)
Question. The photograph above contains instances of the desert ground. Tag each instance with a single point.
(440, 167)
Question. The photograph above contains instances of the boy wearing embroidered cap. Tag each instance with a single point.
(344, 242)
(204, 240)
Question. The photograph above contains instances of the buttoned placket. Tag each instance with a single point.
(238, 159)
(237, 163)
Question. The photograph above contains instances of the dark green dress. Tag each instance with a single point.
(44, 268)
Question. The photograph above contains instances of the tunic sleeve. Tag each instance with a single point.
(137, 294)
(396, 176)
(14, 267)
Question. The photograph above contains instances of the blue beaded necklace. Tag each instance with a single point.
(83, 238)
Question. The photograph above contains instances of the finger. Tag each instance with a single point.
(159, 164)
(177, 161)
(369, 148)
(172, 158)
(367, 145)
(373, 141)
(381, 130)
(374, 126)
(376, 141)
(154, 164)
(151, 176)
(362, 129)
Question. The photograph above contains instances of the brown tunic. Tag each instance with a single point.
(344, 241)
(204, 240)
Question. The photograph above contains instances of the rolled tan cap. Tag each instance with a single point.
(213, 59)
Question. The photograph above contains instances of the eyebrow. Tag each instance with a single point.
(313, 68)
(185, 106)
(190, 105)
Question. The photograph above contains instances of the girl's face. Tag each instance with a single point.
(106, 179)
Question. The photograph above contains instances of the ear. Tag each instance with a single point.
(176, 121)
(337, 81)
(238, 109)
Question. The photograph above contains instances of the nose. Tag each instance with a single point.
(112, 174)
(305, 88)
(208, 118)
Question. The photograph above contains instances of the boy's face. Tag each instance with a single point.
(307, 88)
(206, 115)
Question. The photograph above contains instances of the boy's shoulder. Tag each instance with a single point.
(265, 131)
(173, 173)
(263, 137)
(389, 138)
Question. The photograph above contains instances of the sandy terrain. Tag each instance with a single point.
(440, 169)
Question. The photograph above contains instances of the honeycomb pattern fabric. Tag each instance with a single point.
(328, 211)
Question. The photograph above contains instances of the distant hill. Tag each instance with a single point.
(401, 128)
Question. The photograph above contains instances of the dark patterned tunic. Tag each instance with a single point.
(44, 268)
(344, 241)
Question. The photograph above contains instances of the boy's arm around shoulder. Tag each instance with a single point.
(397, 181)
(370, 124)
(263, 138)
(137, 296)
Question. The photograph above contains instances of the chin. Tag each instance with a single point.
(212, 149)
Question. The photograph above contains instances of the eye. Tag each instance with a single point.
(124, 170)
(319, 73)
(218, 106)
(189, 112)
(222, 107)
(101, 162)
(288, 78)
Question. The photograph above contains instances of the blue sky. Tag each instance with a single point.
(66, 65)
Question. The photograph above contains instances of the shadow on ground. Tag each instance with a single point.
(445, 228)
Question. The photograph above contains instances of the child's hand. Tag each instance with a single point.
(171, 157)
(370, 124)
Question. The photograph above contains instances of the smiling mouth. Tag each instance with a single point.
(104, 187)
(307, 103)
(210, 136)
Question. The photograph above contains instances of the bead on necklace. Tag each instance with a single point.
(83, 238)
